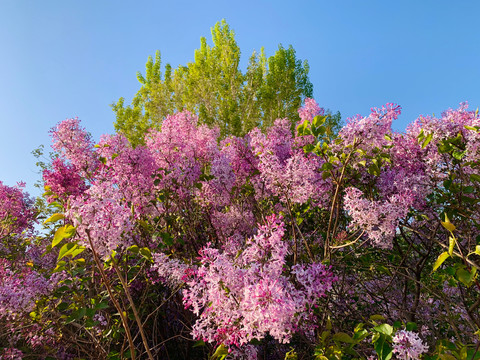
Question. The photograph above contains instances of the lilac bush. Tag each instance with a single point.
(276, 245)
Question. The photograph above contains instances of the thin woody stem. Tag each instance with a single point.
(135, 313)
(115, 302)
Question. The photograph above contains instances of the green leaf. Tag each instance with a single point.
(451, 245)
(63, 232)
(54, 218)
(421, 136)
(101, 305)
(475, 177)
(465, 276)
(319, 131)
(443, 256)
(70, 249)
(308, 148)
(411, 326)
(459, 155)
(477, 249)
(60, 266)
(343, 337)
(471, 128)
(447, 224)
(76, 315)
(301, 129)
(373, 169)
(167, 238)
(326, 166)
(220, 353)
(134, 249)
(377, 317)
(63, 306)
(65, 249)
(146, 253)
(427, 140)
(383, 349)
(318, 120)
(384, 329)
(447, 357)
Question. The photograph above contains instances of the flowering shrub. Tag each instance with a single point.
(276, 245)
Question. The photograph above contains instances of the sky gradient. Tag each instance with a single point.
(61, 59)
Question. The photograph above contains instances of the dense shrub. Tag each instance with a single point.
(272, 245)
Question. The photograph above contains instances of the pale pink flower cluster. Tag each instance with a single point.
(74, 144)
(247, 352)
(379, 219)
(181, 151)
(11, 353)
(172, 272)
(370, 131)
(243, 296)
(130, 170)
(286, 170)
(16, 210)
(449, 125)
(408, 346)
(104, 216)
(19, 288)
(63, 180)
(310, 110)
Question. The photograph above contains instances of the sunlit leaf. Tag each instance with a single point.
(443, 256)
(63, 232)
(54, 218)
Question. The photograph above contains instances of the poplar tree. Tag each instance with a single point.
(214, 87)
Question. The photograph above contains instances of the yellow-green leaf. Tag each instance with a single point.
(447, 357)
(54, 218)
(63, 232)
(70, 249)
(443, 256)
(60, 266)
(221, 352)
(377, 317)
(427, 140)
(447, 224)
(465, 276)
(451, 245)
(343, 337)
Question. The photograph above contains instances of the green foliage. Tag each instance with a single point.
(214, 87)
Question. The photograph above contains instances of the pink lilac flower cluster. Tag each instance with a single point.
(16, 210)
(370, 131)
(11, 353)
(129, 170)
(408, 346)
(310, 110)
(452, 123)
(181, 150)
(19, 288)
(63, 181)
(241, 297)
(285, 169)
(74, 144)
(104, 217)
(172, 272)
(379, 219)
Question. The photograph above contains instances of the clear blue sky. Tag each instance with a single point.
(62, 59)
